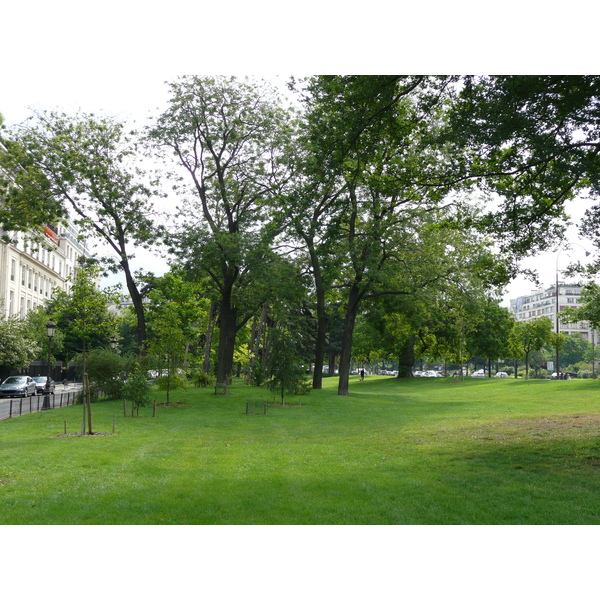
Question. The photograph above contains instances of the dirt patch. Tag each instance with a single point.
(556, 422)
(96, 434)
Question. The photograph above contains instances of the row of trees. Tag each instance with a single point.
(375, 208)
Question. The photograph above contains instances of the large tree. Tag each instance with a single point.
(26, 199)
(231, 139)
(373, 132)
(535, 141)
(533, 336)
(90, 164)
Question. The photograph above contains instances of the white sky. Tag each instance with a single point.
(115, 56)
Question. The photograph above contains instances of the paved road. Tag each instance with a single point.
(31, 404)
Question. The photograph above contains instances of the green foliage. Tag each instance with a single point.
(533, 139)
(573, 350)
(231, 140)
(201, 379)
(258, 372)
(36, 321)
(90, 164)
(532, 336)
(82, 314)
(589, 309)
(17, 346)
(105, 369)
(137, 389)
(284, 372)
(173, 381)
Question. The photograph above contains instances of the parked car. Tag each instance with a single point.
(562, 375)
(501, 375)
(418, 373)
(17, 385)
(480, 373)
(40, 385)
(431, 374)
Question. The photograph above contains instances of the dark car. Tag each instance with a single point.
(18, 385)
(40, 385)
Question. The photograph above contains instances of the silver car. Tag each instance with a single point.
(40, 385)
(17, 385)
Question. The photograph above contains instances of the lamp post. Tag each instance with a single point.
(557, 310)
(113, 343)
(593, 357)
(50, 329)
(557, 367)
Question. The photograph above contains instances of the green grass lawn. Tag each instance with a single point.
(424, 451)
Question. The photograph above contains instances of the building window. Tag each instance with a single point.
(23, 275)
(12, 270)
(11, 304)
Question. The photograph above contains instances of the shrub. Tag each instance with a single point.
(104, 368)
(174, 381)
(201, 379)
(137, 388)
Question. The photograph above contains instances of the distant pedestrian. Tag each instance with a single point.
(362, 374)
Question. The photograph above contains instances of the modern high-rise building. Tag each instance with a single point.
(543, 303)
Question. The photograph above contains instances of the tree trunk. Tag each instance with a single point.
(138, 306)
(406, 360)
(209, 333)
(88, 400)
(320, 352)
(348, 332)
(331, 363)
(227, 331)
(322, 321)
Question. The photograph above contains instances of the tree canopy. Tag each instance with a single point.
(393, 207)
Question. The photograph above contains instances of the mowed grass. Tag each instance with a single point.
(424, 451)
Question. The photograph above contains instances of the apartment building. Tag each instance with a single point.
(543, 303)
(32, 266)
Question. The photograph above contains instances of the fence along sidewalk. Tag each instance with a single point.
(15, 407)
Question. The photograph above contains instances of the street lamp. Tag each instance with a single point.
(557, 310)
(593, 357)
(113, 343)
(50, 329)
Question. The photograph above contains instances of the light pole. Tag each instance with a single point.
(593, 357)
(50, 329)
(557, 368)
(113, 343)
(557, 309)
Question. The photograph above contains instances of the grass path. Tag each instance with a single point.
(393, 452)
